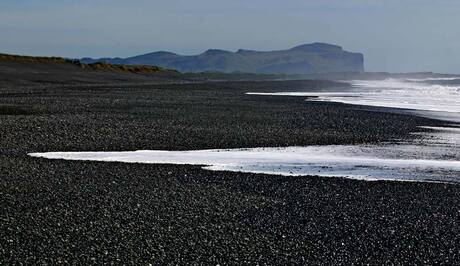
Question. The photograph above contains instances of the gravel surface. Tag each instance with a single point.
(63, 212)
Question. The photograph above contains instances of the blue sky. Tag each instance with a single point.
(397, 36)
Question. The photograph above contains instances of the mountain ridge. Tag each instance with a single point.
(301, 59)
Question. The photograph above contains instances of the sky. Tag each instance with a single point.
(394, 35)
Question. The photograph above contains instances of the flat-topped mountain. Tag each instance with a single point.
(302, 59)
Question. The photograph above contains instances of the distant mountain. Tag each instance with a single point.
(303, 59)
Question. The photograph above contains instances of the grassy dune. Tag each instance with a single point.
(93, 66)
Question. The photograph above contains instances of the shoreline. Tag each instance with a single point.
(360, 162)
(70, 212)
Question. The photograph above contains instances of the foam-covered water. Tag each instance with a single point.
(374, 162)
(434, 100)
(434, 156)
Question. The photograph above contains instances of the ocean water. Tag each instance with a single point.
(431, 97)
(384, 162)
(432, 157)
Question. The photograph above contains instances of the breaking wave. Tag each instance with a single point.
(435, 158)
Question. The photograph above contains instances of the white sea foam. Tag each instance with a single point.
(434, 79)
(434, 157)
(440, 101)
(360, 162)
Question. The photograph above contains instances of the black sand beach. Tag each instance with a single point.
(63, 212)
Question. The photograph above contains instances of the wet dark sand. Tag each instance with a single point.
(87, 212)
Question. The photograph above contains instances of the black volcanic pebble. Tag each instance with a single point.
(63, 212)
